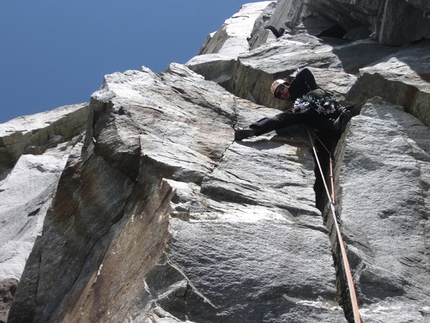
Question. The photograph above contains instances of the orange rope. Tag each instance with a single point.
(331, 197)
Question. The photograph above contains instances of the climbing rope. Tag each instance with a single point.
(336, 220)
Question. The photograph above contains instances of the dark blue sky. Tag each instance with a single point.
(55, 52)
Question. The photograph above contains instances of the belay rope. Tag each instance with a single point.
(335, 215)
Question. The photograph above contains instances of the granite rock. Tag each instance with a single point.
(158, 215)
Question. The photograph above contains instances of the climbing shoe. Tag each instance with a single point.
(240, 134)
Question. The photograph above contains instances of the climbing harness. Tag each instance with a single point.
(319, 100)
(336, 221)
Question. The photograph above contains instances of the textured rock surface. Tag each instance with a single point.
(159, 216)
(26, 195)
(392, 22)
(35, 134)
(37, 146)
(384, 180)
(227, 223)
(231, 39)
(34, 150)
(401, 79)
(7, 293)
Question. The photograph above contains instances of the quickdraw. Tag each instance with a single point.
(318, 100)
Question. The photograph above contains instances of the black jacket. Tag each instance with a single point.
(303, 83)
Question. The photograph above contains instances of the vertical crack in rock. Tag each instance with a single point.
(322, 203)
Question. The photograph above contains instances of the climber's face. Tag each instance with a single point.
(282, 92)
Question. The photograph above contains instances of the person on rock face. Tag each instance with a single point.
(304, 111)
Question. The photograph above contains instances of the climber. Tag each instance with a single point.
(311, 106)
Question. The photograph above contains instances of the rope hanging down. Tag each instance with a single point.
(332, 201)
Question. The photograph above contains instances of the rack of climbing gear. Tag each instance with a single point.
(336, 221)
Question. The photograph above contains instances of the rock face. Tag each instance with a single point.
(37, 147)
(384, 180)
(37, 133)
(157, 215)
(7, 293)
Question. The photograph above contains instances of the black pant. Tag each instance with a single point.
(310, 118)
